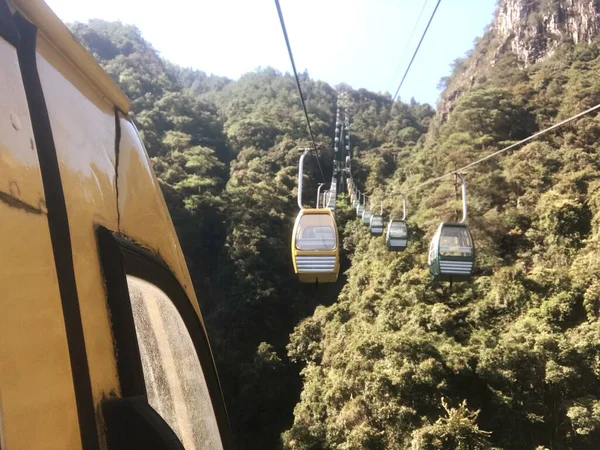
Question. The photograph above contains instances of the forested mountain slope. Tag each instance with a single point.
(226, 155)
(510, 360)
(390, 359)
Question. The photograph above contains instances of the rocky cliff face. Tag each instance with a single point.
(528, 29)
(533, 28)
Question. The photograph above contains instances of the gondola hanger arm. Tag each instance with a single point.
(464, 195)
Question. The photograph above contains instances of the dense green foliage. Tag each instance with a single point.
(510, 360)
(389, 359)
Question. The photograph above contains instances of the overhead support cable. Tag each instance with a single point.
(505, 149)
(416, 51)
(289, 48)
(412, 34)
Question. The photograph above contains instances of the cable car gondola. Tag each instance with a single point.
(376, 223)
(366, 217)
(361, 207)
(452, 251)
(315, 241)
(315, 246)
(396, 236)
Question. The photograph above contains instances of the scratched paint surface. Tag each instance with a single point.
(19, 171)
(144, 214)
(106, 182)
(36, 391)
(83, 128)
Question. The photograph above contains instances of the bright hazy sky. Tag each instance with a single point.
(359, 42)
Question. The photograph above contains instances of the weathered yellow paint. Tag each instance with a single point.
(84, 136)
(18, 158)
(120, 193)
(53, 31)
(36, 390)
(144, 214)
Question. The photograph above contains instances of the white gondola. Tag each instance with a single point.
(366, 217)
(360, 207)
(396, 236)
(376, 223)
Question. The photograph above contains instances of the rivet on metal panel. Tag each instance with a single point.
(16, 123)
(15, 191)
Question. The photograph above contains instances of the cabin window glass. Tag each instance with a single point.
(315, 232)
(456, 241)
(434, 245)
(398, 230)
(173, 375)
(377, 221)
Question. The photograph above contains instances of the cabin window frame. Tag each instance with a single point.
(433, 248)
(121, 257)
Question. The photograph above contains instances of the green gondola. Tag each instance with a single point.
(376, 222)
(376, 225)
(396, 236)
(366, 217)
(452, 251)
(360, 208)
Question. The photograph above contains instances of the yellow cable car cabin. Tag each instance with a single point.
(315, 241)
(102, 341)
(315, 246)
